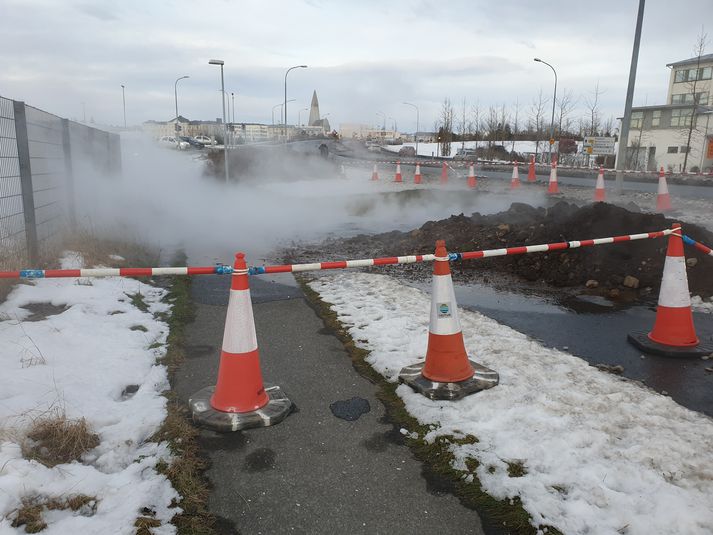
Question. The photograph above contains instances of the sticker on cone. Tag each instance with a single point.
(599, 191)
(472, 181)
(417, 176)
(447, 372)
(239, 399)
(674, 333)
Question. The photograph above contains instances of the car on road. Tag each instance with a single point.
(206, 140)
(192, 142)
(172, 142)
(407, 151)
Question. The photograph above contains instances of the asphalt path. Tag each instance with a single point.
(314, 472)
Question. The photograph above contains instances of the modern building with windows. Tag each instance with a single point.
(660, 136)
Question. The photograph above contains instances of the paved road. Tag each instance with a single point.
(313, 473)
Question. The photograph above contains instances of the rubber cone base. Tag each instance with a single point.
(641, 340)
(482, 379)
(276, 410)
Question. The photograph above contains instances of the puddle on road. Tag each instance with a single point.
(350, 409)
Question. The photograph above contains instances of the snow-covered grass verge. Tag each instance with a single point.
(584, 451)
(80, 348)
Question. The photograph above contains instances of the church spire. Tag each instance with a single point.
(314, 110)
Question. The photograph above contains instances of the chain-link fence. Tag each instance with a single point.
(38, 155)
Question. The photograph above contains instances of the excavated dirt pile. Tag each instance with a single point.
(603, 269)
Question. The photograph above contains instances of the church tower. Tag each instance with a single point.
(314, 111)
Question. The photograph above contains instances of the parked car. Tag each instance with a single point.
(206, 140)
(192, 142)
(464, 154)
(374, 148)
(407, 151)
(172, 142)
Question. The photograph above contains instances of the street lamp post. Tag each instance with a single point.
(554, 99)
(233, 97)
(225, 127)
(416, 136)
(299, 113)
(285, 108)
(123, 99)
(175, 97)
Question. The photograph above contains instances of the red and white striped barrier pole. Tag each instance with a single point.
(317, 266)
(702, 248)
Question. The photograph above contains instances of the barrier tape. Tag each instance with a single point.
(340, 264)
(702, 248)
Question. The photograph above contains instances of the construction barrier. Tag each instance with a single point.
(702, 248)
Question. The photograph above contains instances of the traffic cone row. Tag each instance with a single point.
(531, 170)
(674, 333)
(398, 178)
(417, 176)
(599, 192)
(515, 180)
(472, 181)
(663, 199)
(553, 188)
(375, 173)
(444, 173)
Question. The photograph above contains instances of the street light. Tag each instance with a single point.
(225, 127)
(416, 136)
(280, 105)
(123, 99)
(554, 99)
(299, 114)
(233, 97)
(286, 73)
(175, 93)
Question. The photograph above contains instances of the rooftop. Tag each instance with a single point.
(706, 58)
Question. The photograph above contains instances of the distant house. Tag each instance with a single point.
(658, 135)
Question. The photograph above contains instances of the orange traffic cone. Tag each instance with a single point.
(553, 188)
(599, 191)
(444, 173)
(375, 173)
(417, 176)
(663, 199)
(674, 333)
(239, 399)
(398, 177)
(447, 373)
(531, 170)
(515, 180)
(472, 181)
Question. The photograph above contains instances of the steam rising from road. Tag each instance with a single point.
(163, 198)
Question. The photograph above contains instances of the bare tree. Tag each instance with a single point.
(503, 126)
(698, 49)
(592, 104)
(491, 125)
(565, 106)
(446, 133)
(516, 123)
(537, 111)
(476, 120)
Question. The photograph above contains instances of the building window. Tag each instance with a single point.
(684, 149)
(692, 75)
(687, 98)
(681, 118)
(637, 119)
(673, 150)
(656, 118)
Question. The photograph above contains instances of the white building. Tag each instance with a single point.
(659, 135)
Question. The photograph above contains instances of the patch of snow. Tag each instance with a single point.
(601, 454)
(80, 361)
(699, 304)
(117, 257)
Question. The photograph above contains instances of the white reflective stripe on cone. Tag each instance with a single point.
(444, 310)
(239, 335)
(663, 186)
(674, 285)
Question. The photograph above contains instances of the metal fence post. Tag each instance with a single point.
(28, 198)
(69, 174)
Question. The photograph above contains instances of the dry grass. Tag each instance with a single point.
(96, 250)
(144, 524)
(29, 514)
(55, 439)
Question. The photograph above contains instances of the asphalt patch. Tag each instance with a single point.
(350, 409)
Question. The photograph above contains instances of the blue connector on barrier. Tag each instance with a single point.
(222, 269)
(32, 274)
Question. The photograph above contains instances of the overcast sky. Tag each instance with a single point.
(363, 56)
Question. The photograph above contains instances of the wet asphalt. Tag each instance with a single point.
(335, 465)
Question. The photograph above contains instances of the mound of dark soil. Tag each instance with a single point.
(522, 224)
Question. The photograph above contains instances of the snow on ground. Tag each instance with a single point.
(602, 455)
(79, 361)
(700, 304)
